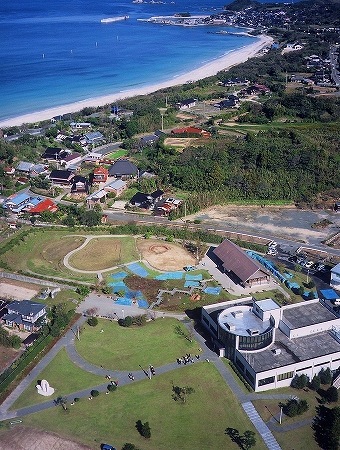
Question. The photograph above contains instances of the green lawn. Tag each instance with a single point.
(118, 154)
(64, 376)
(198, 424)
(68, 296)
(119, 348)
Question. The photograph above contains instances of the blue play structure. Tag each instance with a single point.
(170, 276)
(267, 264)
(190, 283)
(212, 290)
(118, 275)
(137, 269)
(189, 277)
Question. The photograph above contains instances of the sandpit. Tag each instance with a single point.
(24, 438)
(17, 291)
(164, 255)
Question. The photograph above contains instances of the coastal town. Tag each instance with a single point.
(170, 261)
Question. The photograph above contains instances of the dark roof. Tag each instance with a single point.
(64, 175)
(140, 198)
(306, 315)
(157, 194)
(123, 167)
(25, 307)
(188, 101)
(234, 259)
(54, 153)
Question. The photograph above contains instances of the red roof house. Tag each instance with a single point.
(100, 174)
(192, 130)
(45, 205)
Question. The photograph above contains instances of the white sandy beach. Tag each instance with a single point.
(225, 62)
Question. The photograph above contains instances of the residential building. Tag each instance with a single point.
(24, 166)
(194, 131)
(54, 154)
(232, 260)
(100, 174)
(117, 186)
(335, 277)
(270, 344)
(44, 205)
(24, 315)
(96, 198)
(61, 176)
(94, 138)
(17, 202)
(186, 104)
(124, 169)
(70, 159)
(80, 184)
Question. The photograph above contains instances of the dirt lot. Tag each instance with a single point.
(164, 255)
(17, 290)
(281, 221)
(179, 143)
(23, 438)
(7, 356)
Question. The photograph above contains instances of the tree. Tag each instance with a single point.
(325, 376)
(111, 387)
(143, 429)
(315, 383)
(299, 381)
(83, 290)
(248, 440)
(62, 401)
(181, 393)
(92, 321)
(129, 446)
(94, 393)
(332, 394)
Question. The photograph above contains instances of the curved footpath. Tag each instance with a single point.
(207, 357)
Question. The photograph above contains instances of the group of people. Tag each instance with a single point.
(130, 375)
(186, 359)
(152, 370)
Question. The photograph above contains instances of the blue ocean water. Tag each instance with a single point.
(55, 53)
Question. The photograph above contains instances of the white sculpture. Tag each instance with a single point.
(44, 388)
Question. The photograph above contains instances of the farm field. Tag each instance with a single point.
(101, 253)
(197, 424)
(119, 348)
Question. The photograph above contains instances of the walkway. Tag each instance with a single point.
(207, 356)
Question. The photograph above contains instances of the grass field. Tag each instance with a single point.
(118, 154)
(198, 424)
(105, 252)
(301, 438)
(43, 251)
(64, 376)
(119, 348)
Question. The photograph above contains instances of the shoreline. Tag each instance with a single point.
(211, 68)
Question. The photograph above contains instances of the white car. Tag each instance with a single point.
(309, 264)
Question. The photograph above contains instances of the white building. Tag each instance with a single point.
(335, 277)
(270, 344)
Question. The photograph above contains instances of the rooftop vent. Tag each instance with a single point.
(277, 351)
(237, 314)
(231, 327)
(253, 332)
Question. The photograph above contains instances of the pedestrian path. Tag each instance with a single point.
(261, 427)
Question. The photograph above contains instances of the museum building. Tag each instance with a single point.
(270, 344)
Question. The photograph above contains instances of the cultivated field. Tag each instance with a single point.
(104, 252)
(164, 255)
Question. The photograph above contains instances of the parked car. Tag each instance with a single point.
(107, 447)
(272, 252)
(309, 264)
(272, 244)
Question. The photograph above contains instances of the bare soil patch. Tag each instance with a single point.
(23, 438)
(7, 356)
(164, 255)
(179, 143)
(17, 290)
(149, 287)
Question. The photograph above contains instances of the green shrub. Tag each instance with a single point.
(92, 321)
(94, 393)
